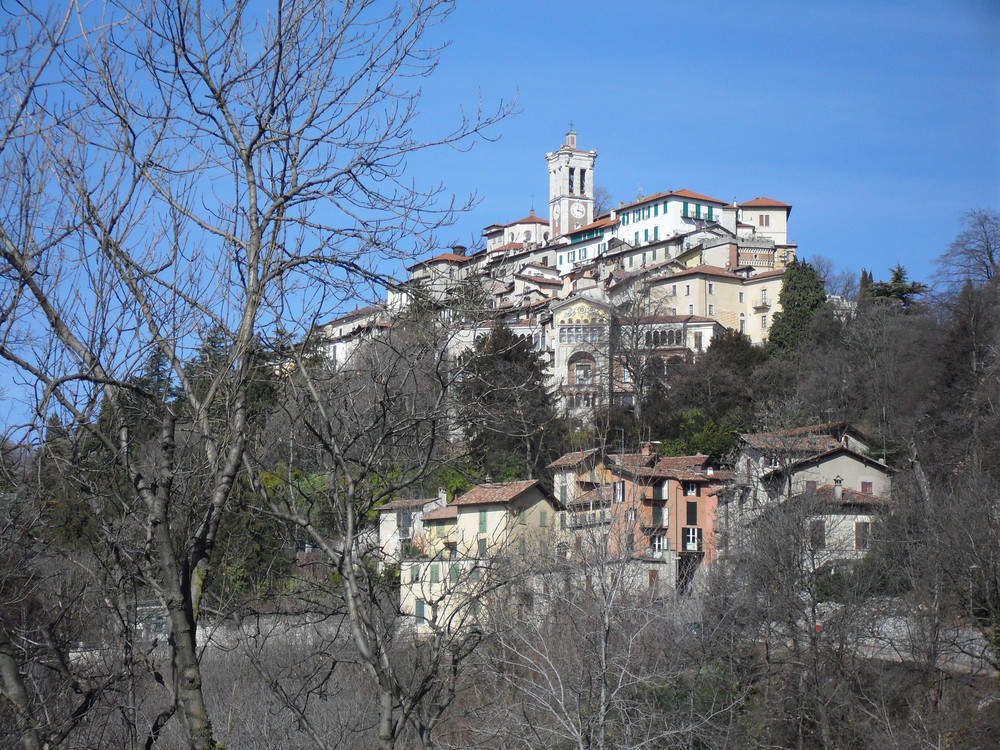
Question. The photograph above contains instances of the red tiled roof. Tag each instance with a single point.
(539, 279)
(767, 274)
(604, 221)
(632, 459)
(406, 503)
(501, 492)
(696, 196)
(450, 257)
(570, 460)
(532, 219)
(708, 271)
(447, 513)
(785, 443)
(765, 203)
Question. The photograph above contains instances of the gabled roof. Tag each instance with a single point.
(821, 457)
(406, 504)
(447, 513)
(449, 257)
(508, 246)
(497, 492)
(767, 274)
(572, 460)
(707, 271)
(785, 443)
(531, 219)
(632, 459)
(601, 223)
(764, 203)
(537, 279)
(696, 196)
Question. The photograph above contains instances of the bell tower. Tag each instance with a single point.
(571, 187)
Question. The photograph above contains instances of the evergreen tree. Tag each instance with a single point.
(801, 297)
(506, 405)
(898, 290)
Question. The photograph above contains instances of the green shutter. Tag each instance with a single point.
(454, 573)
(657, 515)
(686, 209)
(419, 609)
(435, 573)
(482, 522)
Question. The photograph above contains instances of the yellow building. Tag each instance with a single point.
(466, 540)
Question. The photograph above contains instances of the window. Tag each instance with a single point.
(691, 489)
(741, 296)
(810, 485)
(862, 534)
(711, 309)
(583, 181)
(763, 321)
(656, 236)
(692, 540)
(636, 238)
(572, 174)
(522, 518)
(659, 515)
(522, 546)
(418, 609)
(690, 309)
(711, 288)
(630, 514)
(560, 259)
(743, 323)
(764, 220)
(626, 375)
(659, 543)
(482, 522)
(543, 518)
(673, 290)
(653, 575)
(571, 256)
(481, 551)
(866, 487)
(817, 534)
(697, 341)
(435, 573)
(453, 574)
(583, 372)
(687, 290)
(645, 235)
(440, 530)
(692, 513)
(619, 492)
(414, 573)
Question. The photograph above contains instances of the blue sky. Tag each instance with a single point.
(878, 121)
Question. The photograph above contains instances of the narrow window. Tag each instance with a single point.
(453, 574)
(711, 288)
(583, 182)
(630, 514)
(418, 609)
(711, 309)
(482, 522)
(862, 534)
(522, 546)
(817, 534)
(572, 174)
(866, 487)
(687, 290)
(692, 512)
(481, 551)
(543, 518)
(435, 573)
(414, 573)
(741, 297)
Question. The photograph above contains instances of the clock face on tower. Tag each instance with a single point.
(555, 212)
(577, 210)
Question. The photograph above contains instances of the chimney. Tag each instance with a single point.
(442, 495)
(838, 488)
(571, 139)
(647, 449)
(458, 249)
(710, 471)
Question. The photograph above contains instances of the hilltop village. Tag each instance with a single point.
(664, 274)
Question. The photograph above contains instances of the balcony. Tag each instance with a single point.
(762, 303)
(589, 518)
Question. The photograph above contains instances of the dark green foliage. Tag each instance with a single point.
(898, 290)
(506, 406)
(699, 433)
(802, 295)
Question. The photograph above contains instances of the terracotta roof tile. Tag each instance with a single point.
(764, 203)
(571, 460)
(708, 271)
(501, 492)
(406, 503)
(532, 219)
(447, 513)
(697, 196)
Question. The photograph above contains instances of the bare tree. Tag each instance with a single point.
(193, 168)
(975, 254)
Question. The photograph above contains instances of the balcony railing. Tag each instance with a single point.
(589, 518)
